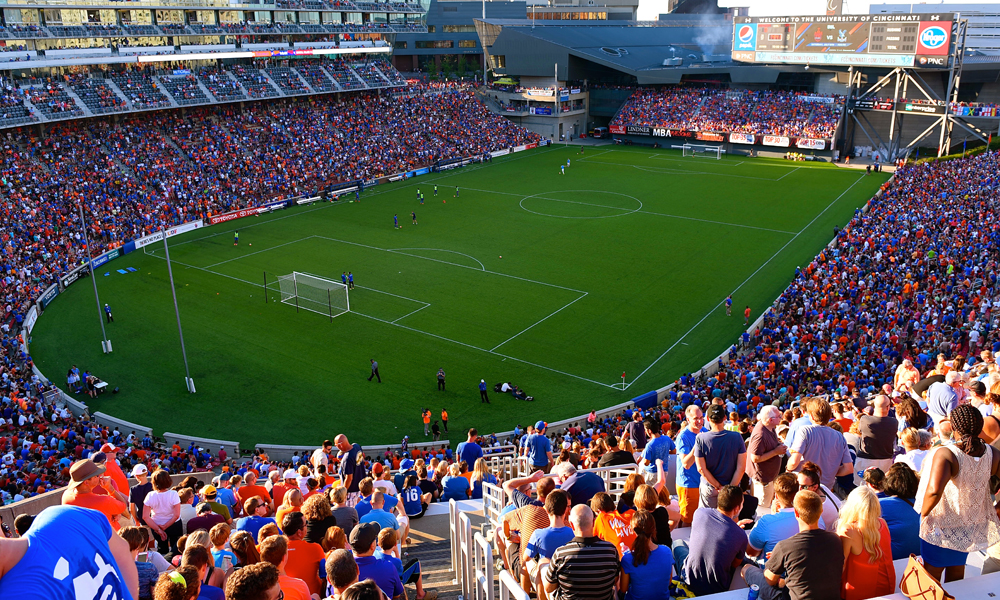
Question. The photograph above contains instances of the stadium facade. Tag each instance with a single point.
(599, 59)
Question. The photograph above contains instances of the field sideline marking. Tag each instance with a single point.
(258, 252)
(752, 275)
(669, 171)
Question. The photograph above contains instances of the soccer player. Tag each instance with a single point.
(729, 305)
(421, 198)
(567, 162)
(236, 238)
(418, 195)
(435, 190)
(413, 215)
(746, 316)
(343, 277)
(456, 191)
(107, 312)
(350, 280)
(562, 169)
(395, 221)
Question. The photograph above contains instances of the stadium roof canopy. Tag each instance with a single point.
(653, 52)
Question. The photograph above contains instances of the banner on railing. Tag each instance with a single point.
(530, 146)
(30, 318)
(230, 216)
(808, 144)
(617, 129)
(48, 295)
(742, 138)
(72, 276)
(108, 256)
(710, 137)
(823, 99)
(777, 140)
(500, 153)
(170, 232)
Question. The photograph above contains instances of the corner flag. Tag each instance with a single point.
(623, 380)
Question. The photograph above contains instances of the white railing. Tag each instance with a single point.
(453, 534)
(510, 587)
(465, 563)
(494, 499)
(482, 568)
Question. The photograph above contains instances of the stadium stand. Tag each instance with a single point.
(184, 89)
(763, 112)
(139, 87)
(256, 84)
(52, 101)
(287, 79)
(317, 79)
(98, 95)
(220, 84)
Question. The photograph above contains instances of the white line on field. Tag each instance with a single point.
(258, 252)
(400, 251)
(410, 313)
(788, 173)
(752, 275)
(539, 322)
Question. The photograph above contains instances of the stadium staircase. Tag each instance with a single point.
(118, 91)
(79, 101)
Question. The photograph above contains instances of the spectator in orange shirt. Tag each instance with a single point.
(275, 551)
(289, 482)
(251, 489)
(304, 557)
(113, 469)
(610, 525)
(86, 475)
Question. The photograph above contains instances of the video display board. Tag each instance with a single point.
(892, 40)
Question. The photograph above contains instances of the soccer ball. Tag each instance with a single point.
(501, 257)
(251, 244)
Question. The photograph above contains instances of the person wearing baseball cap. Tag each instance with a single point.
(539, 449)
(137, 495)
(113, 469)
(85, 475)
(210, 496)
(363, 540)
(289, 481)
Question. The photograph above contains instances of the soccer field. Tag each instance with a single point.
(620, 265)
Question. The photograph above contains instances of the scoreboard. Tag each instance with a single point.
(888, 40)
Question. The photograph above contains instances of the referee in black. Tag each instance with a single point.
(375, 371)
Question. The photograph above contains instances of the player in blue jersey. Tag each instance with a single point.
(395, 221)
(729, 305)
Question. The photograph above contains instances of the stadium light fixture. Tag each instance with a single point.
(105, 342)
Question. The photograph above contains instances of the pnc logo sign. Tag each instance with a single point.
(933, 37)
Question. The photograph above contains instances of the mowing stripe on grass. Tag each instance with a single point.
(745, 281)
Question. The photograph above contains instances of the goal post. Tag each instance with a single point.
(316, 294)
(702, 151)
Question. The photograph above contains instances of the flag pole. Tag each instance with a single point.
(623, 381)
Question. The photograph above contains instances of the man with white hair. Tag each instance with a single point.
(878, 438)
(906, 376)
(764, 452)
(580, 485)
(941, 397)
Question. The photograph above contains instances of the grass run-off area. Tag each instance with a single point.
(620, 265)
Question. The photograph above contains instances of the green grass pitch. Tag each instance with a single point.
(620, 265)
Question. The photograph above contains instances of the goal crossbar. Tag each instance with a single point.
(315, 294)
(702, 151)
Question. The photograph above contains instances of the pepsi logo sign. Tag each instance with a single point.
(746, 33)
(933, 37)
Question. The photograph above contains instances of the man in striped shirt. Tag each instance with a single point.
(587, 567)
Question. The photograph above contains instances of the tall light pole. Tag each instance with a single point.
(105, 342)
(484, 45)
(188, 382)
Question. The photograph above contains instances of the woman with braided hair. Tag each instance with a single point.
(954, 499)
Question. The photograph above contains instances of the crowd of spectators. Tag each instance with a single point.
(762, 112)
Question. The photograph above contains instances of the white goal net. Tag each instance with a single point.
(700, 151)
(316, 294)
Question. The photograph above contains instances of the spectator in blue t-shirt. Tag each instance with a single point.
(363, 541)
(378, 515)
(454, 485)
(647, 568)
(900, 487)
(480, 475)
(415, 500)
(367, 489)
(470, 450)
(255, 509)
(688, 478)
(781, 523)
(545, 541)
(721, 456)
(538, 448)
(657, 447)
